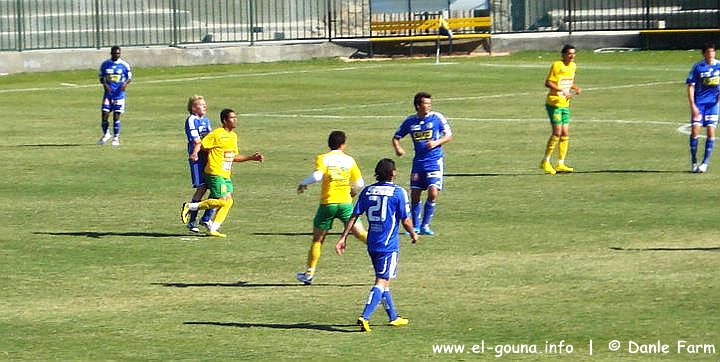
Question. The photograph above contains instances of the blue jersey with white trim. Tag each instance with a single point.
(385, 205)
(196, 128)
(115, 74)
(706, 78)
(431, 128)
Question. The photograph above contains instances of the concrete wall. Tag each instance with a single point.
(72, 59)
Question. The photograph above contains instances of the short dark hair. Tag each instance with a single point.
(114, 48)
(336, 139)
(566, 48)
(384, 170)
(417, 100)
(708, 45)
(224, 114)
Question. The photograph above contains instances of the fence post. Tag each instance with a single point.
(97, 24)
(331, 19)
(647, 14)
(20, 18)
(175, 26)
(570, 16)
(251, 20)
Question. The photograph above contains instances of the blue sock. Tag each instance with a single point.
(428, 213)
(207, 215)
(709, 145)
(116, 128)
(389, 306)
(105, 125)
(373, 300)
(693, 149)
(415, 209)
(193, 213)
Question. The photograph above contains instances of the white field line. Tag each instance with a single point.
(472, 119)
(480, 97)
(65, 86)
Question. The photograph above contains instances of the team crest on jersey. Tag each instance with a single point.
(429, 125)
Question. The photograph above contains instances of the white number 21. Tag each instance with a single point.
(378, 211)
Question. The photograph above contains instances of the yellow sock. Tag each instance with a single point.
(223, 211)
(563, 148)
(313, 256)
(552, 141)
(210, 204)
(362, 236)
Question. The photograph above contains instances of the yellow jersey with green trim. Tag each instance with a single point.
(564, 76)
(222, 147)
(339, 173)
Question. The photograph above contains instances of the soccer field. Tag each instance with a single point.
(94, 264)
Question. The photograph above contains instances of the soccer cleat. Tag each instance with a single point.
(562, 168)
(547, 167)
(426, 231)
(694, 167)
(193, 227)
(304, 278)
(116, 141)
(185, 213)
(206, 224)
(399, 321)
(216, 234)
(364, 324)
(702, 168)
(106, 137)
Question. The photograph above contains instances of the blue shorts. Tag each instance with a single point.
(197, 174)
(708, 115)
(385, 264)
(423, 180)
(113, 105)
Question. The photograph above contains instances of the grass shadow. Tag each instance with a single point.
(540, 173)
(244, 284)
(53, 145)
(291, 234)
(712, 249)
(100, 234)
(340, 328)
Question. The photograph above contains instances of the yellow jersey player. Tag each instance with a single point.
(222, 147)
(341, 180)
(561, 84)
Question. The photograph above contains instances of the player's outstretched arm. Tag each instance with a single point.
(342, 244)
(398, 149)
(408, 225)
(255, 157)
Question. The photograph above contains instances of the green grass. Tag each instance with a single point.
(95, 266)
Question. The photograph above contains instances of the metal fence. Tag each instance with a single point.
(53, 24)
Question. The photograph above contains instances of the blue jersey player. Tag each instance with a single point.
(385, 205)
(197, 126)
(703, 83)
(429, 131)
(115, 74)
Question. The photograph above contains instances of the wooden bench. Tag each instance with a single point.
(428, 30)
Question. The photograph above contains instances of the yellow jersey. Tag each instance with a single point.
(222, 147)
(339, 173)
(564, 76)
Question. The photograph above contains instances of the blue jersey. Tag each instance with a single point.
(196, 128)
(115, 74)
(433, 127)
(706, 78)
(386, 205)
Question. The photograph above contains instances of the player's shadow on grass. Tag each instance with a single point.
(713, 249)
(100, 234)
(340, 328)
(540, 173)
(53, 145)
(244, 284)
(290, 234)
